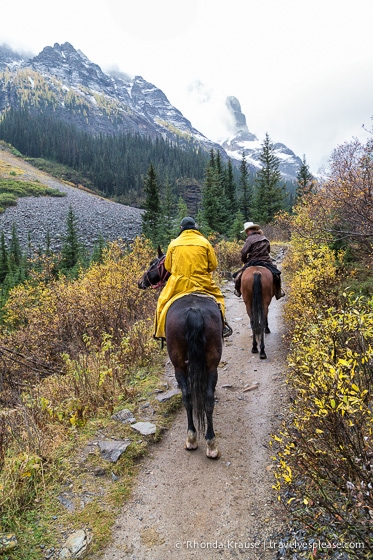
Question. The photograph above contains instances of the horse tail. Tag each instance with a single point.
(258, 320)
(197, 378)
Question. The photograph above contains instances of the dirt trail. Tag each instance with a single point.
(186, 506)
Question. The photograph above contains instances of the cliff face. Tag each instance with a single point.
(243, 141)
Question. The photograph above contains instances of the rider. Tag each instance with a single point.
(190, 259)
(256, 252)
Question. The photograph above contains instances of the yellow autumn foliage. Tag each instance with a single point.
(328, 443)
(53, 319)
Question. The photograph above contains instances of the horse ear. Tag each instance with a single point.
(160, 252)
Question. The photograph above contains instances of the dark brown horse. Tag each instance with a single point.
(257, 291)
(194, 345)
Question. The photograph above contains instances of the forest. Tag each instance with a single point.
(113, 165)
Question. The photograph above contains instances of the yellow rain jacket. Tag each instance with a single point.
(190, 259)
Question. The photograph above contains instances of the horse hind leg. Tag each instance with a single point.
(254, 348)
(212, 450)
(191, 442)
(262, 354)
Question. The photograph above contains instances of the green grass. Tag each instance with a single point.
(61, 171)
(12, 189)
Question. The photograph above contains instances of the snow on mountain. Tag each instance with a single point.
(243, 141)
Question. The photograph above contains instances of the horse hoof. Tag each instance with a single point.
(213, 454)
(254, 350)
(191, 441)
(212, 451)
(263, 356)
(190, 447)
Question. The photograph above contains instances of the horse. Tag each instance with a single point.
(194, 345)
(257, 291)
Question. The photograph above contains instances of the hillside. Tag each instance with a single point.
(34, 217)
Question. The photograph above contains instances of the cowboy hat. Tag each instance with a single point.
(249, 225)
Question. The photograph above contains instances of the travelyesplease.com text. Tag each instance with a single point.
(268, 544)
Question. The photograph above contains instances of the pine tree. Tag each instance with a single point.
(305, 180)
(230, 192)
(269, 194)
(236, 228)
(48, 250)
(215, 212)
(15, 253)
(4, 259)
(98, 250)
(246, 189)
(169, 208)
(182, 212)
(152, 217)
(70, 252)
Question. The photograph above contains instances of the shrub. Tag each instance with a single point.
(324, 455)
(229, 255)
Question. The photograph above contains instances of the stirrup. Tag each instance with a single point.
(227, 331)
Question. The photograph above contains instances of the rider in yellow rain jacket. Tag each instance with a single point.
(190, 259)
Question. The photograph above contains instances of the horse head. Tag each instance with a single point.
(156, 276)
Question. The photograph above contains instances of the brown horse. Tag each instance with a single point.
(257, 291)
(194, 344)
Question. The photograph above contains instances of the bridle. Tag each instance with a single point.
(163, 274)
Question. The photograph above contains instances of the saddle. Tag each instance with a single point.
(271, 267)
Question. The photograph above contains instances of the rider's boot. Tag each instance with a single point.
(237, 284)
(279, 292)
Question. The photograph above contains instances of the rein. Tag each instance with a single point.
(162, 273)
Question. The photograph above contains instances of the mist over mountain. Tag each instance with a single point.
(62, 81)
(243, 141)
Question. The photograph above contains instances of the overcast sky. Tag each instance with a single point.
(301, 70)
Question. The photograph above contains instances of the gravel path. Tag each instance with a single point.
(186, 506)
(35, 216)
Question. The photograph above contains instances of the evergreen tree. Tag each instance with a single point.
(98, 250)
(182, 211)
(269, 194)
(48, 250)
(230, 191)
(236, 228)
(169, 209)
(15, 253)
(4, 259)
(215, 213)
(305, 180)
(17, 262)
(70, 252)
(152, 217)
(246, 189)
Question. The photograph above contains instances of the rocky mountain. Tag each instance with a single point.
(65, 82)
(242, 140)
